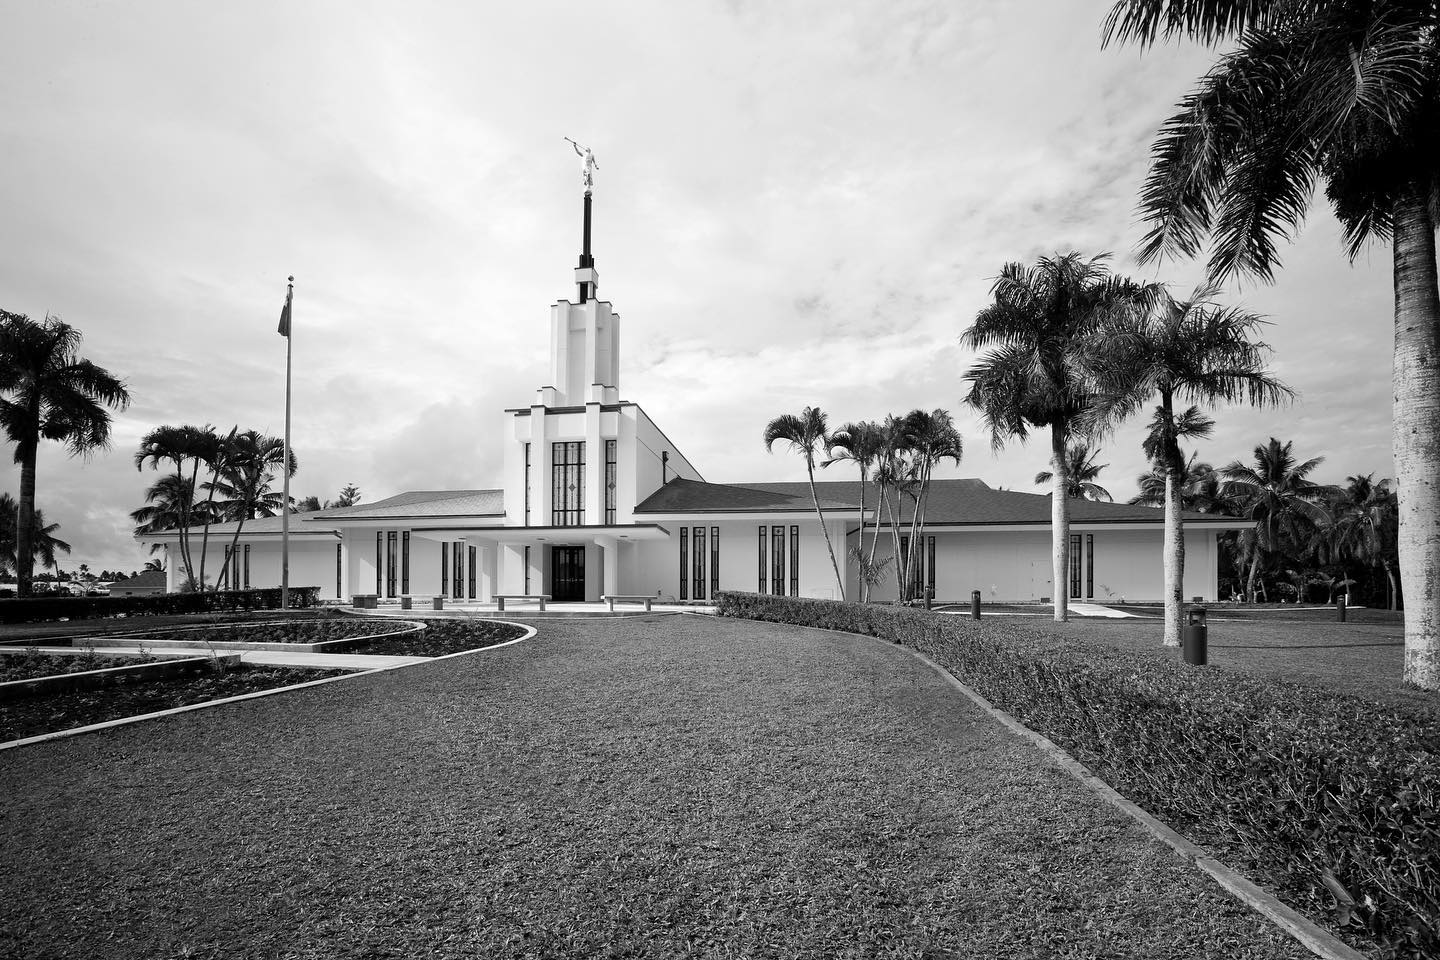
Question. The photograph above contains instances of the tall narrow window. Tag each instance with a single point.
(339, 567)
(457, 569)
(235, 570)
(699, 565)
(527, 484)
(445, 568)
(714, 561)
(777, 561)
(379, 558)
(906, 562)
(764, 573)
(610, 469)
(794, 561)
(391, 567)
(527, 569)
(684, 563)
(930, 565)
(405, 562)
(1075, 565)
(470, 571)
(1089, 564)
(247, 566)
(568, 484)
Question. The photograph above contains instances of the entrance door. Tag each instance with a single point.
(567, 578)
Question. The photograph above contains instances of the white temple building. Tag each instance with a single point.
(599, 501)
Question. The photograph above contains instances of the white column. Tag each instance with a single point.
(594, 468)
(610, 554)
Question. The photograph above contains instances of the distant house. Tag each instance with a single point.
(141, 585)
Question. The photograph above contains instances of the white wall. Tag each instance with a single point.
(1016, 565)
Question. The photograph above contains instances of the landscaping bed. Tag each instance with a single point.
(440, 638)
(64, 711)
(304, 631)
(33, 664)
(1334, 800)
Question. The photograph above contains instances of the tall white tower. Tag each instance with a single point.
(584, 338)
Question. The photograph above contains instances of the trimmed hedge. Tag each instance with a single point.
(1338, 796)
(44, 609)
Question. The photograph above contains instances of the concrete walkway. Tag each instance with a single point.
(267, 658)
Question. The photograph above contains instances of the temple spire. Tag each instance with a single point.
(586, 279)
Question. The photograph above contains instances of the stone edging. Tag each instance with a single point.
(1309, 934)
(123, 721)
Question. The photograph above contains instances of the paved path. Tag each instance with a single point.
(654, 787)
(273, 658)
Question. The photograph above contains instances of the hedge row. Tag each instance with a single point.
(43, 609)
(1337, 796)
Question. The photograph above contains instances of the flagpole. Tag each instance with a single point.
(285, 463)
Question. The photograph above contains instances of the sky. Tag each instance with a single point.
(796, 204)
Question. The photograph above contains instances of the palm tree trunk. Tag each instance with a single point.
(894, 510)
(1174, 556)
(1390, 591)
(25, 522)
(1415, 432)
(1059, 526)
(209, 515)
(1254, 566)
(839, 580)
(860, 543)
(875, 534)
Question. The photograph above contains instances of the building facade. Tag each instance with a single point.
(598, 501)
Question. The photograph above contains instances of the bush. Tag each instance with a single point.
(1338, 796)
(66, 607)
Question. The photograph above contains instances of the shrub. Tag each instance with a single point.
(65, 607)
(1338, 796)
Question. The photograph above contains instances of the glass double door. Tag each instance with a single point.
(567, 574)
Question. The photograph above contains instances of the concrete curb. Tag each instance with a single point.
(125, 721)
(1310, 935)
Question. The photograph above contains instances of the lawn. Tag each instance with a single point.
(658, 786)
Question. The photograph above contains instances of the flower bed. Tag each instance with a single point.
(325, 630)
(49, 714)
(32, 664)
(41, 609)
(1336, 797)
(441, 638)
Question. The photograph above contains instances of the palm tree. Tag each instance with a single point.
(892, 475)
(1275, 494)
(860, 443)
(933, 440)
(806, 434)
(1039, 317)
(49, 392)
(1199, 488)
(43, 541)
(1082, 470)
(168, 504)
(1346, 93)
(1361, 513)
(186, 447)
(245, 482)
(1193, 350)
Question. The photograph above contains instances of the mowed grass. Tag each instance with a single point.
(1358, 659)
(647, 787)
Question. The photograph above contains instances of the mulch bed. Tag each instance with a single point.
(439, 638)
(27, 667)
(33, 716)
(656, 787)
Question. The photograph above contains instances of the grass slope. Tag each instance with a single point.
(657, 787)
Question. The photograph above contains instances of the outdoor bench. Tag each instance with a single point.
(540, 597)
(365, 601)
(407, 601)
(646, 599)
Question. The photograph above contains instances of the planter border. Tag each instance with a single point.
(91, 679)
(125, 721)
